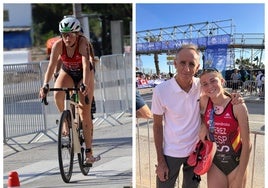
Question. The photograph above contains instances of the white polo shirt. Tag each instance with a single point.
(181, 116)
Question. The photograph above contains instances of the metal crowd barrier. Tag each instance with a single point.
(115, 85)
(249, 87)
(146, 158)
(25, 115)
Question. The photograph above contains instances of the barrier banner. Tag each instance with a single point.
(215, 56)
(159, 46)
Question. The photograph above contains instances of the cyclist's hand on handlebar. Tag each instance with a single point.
(84, 89)
(43, 93)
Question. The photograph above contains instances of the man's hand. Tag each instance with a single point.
(237, 98)
(162, 171)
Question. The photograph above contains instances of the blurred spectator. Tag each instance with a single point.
(260, 83)
(244, 77)
(235, 77)
(244, 74)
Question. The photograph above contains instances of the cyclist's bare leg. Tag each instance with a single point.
(57, 69)
(85, 110)
(63, 80)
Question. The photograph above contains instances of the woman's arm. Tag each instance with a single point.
(241, 114)
(53, 61)
(56, 51)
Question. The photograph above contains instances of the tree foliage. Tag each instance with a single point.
(247, 64)
(156, 59)
(47, 16)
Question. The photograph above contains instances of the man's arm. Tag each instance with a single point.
(161, 168)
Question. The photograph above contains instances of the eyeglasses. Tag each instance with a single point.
(65, 35)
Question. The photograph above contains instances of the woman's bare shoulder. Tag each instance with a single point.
(240, 108)
(83, 40)
(57, 46)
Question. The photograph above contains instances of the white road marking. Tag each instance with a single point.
(111, 168)
(45, 168)
(34, 171)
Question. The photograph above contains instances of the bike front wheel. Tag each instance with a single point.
(65, 147)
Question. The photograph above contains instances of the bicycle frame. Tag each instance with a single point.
(75, 121)
(75, 140)
(74, 117)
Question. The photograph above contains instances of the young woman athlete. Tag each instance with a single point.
(77, 58)
(228, 126)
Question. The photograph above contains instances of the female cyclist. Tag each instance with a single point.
(77, 58)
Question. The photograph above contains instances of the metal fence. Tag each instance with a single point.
(146, 158)
(25, 115)
(249, 87)
(115, 88)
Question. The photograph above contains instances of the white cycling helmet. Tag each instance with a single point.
(69, 24)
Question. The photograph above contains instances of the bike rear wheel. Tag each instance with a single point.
(82, 156)
(65, 147)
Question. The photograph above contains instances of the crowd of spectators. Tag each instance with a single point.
(147, 81)
(237, 80)
(246, 80)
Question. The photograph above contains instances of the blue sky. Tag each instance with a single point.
(247, 18)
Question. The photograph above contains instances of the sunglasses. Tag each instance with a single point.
(65, 35)
(208, 70)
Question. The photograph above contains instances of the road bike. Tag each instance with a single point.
(73, 141)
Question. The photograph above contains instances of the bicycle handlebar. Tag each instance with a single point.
(46, 90)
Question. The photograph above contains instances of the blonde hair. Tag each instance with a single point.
(211, 70)
(218, 74)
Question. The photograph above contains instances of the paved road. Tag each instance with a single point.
(37, 165)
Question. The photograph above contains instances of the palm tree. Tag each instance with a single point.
(156, 60)
(247, 64)
(156, 63)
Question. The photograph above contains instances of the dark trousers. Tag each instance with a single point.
(174, 165)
